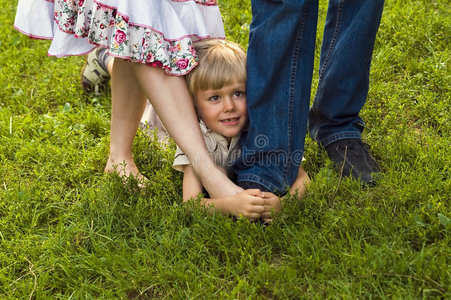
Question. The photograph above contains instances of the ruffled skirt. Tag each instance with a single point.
(154, 32)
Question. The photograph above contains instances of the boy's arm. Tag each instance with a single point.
(300, 184)
(248, 203)
(192, 186)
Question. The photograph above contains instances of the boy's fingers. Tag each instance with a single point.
(258, 209)
(266, 214)
(252, 208)
(253, 216)
(257, 201)
(269, 195)
(254, 192)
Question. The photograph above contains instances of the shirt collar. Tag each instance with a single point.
(218, 137)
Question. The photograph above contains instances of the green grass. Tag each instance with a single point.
(69, 231)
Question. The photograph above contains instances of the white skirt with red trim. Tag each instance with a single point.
(154, 32)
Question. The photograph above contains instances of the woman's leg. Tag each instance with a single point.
(128, 103)
(170, 98)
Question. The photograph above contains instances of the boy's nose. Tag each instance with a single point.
(229, 105)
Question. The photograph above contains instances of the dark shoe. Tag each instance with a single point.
(352, 158)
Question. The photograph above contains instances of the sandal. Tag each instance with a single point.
(94, 77)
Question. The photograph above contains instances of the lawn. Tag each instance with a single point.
(67, 230)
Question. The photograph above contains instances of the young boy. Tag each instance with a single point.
(218, 88)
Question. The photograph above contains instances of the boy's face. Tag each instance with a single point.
(223, 110)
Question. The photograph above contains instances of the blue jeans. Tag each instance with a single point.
(279, 69)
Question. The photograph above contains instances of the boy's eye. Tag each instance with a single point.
(239, 93)
(214, 98)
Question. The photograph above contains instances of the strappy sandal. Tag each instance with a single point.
(94, 78)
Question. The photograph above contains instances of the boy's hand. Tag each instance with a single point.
(272, 203)
(248, 204)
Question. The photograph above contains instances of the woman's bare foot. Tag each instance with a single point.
(125, 168)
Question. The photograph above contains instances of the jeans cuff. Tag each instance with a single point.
(252, 185)
(259, 182)
(339, 136)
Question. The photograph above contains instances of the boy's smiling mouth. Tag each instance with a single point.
(230, 121)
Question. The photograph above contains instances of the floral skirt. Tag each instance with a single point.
(154, 32)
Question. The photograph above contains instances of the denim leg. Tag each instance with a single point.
(279, 70)
(348, 43)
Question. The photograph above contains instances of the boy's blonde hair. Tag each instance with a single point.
(221, 63)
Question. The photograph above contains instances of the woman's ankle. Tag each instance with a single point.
(218, 184)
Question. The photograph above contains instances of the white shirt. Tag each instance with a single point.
(223, 153)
